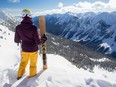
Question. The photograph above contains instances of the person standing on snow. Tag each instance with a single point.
(27, 34)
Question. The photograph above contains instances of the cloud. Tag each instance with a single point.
(60, 4)
(14, 1)
(112, 3)
(82, 7)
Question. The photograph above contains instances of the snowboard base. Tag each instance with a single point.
(42, 33)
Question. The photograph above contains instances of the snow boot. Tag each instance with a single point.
(18, 78)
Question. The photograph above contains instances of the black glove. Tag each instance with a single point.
(17, 44)
(44, 37)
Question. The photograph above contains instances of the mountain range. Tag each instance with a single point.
(77, 53)
(71, 61)
(94, 30)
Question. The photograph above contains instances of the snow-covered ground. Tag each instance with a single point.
(60, 72)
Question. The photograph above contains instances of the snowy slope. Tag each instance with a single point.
(8, 16)
(7, 48)
(60, 72)
(9, 20)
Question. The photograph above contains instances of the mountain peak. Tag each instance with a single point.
(9, 20)
(106, 17)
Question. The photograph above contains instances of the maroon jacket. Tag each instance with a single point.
(27, 34)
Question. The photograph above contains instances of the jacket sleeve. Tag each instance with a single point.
(17, 37)
(37, 38)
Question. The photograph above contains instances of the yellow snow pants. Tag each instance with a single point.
(26, 56)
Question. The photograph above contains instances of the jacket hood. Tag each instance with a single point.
(27, 20)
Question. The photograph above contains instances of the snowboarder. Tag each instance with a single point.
(27, 35)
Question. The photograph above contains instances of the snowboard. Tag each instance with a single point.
(42, 25)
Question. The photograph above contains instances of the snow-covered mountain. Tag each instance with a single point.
(77, 53)
(85, 69)
(9, 20)
(95, 30)
(60, 72)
